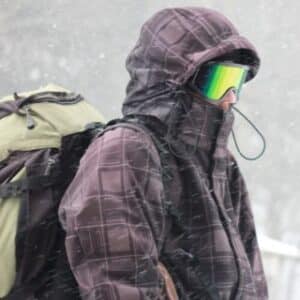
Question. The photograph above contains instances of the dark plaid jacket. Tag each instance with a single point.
(120, 213)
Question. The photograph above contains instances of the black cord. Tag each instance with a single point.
(259, 133)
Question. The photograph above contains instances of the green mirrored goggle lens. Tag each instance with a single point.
(218, 78)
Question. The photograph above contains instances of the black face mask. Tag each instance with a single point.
(177, 94)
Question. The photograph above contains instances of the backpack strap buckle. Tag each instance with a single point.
(12, 189)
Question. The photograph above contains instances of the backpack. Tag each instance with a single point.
(44, 133)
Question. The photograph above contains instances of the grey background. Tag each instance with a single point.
(82, 45)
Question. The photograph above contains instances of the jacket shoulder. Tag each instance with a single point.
(121, 144)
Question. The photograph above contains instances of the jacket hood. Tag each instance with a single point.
(172, 45)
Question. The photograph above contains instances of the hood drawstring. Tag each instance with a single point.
(179, 104)
(259, 133)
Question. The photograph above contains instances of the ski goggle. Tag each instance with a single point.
(214, 79)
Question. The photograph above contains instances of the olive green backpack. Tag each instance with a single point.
(43, 135)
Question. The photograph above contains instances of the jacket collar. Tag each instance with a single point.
(207, 126)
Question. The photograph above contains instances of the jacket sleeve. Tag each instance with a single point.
(113, 216)
(246, 227)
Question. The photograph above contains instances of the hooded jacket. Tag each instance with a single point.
(115, 211)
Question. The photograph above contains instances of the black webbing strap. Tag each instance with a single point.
(25, 292)
(13, 189)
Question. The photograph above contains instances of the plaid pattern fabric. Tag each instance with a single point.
(110, 212)
(114, 210)
(171, 46)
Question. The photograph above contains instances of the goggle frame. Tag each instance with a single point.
(206, 66)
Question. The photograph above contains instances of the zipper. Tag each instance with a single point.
(51, 162)
(30, 123)
(61, 98)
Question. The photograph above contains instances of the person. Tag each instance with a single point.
(123, 216)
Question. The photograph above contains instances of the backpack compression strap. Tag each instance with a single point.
(30, 183)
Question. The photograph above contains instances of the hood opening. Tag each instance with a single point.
(172, 44)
